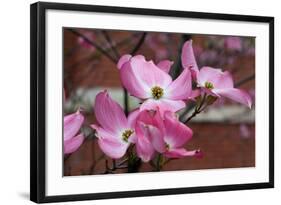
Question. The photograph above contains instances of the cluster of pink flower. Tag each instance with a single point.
(153, 127)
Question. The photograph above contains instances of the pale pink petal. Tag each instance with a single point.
(149, 104)
(215, 76)
(100, 132)
(188, 59)
(181, 152)
(110, 143)
(194, 93)
(208, 74)
(177, 133)
(156, 137)
(112, 147)
(72, 124)
(73, 144)
(163, 105)
(144, 147)
(132, 118)
(150, 125)
(225, 81)
(180, 88)
(139, 76)
(109, 114)
(152, 117)
(235, 94)
(165, 65)
(209, 92)
(125, 58)
(133, 82)
(151, 74)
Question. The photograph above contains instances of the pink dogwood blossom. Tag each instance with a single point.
(213, 81)
(152, 83)
(165, 135)
(72, 124)
(116, 131)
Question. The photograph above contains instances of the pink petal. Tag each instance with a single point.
(132, 118)
(133, 82)
(100, 132)
(151, 117)
(156, 137)
(163, 105)
(73, 144)
(177, 133)
(150, 125)
(235, 94)
(194, 93)
(165, 65)
(125, 58)
(109, 114)
(215, 76)
(112, 147)
(225, 81)
(209, 92)
(180, 89)
(110, 143)
(144, 149)
(181, 152)
(188, 59)
(139, 76)
(72, 124)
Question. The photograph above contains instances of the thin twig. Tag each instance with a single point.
(108, 39)
(126, 102)
(197, 109)
(122, 162)
(186, 111)
(93, 44)
(120, 43)
(245, 80)
(139, 44)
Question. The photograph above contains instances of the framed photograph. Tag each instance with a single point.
(129, 102)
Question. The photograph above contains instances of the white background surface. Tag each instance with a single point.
(14, 103)
(58, 185)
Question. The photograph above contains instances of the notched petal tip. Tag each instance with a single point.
(124, 59)
(165, 65)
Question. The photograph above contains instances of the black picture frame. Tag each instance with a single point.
(38, 101)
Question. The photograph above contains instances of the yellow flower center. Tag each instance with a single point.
(126, 134)
(209, 85)
(157, 92)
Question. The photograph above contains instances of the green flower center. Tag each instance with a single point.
(167, 146)
(126, 134)
(209, 85)
(157, 92)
